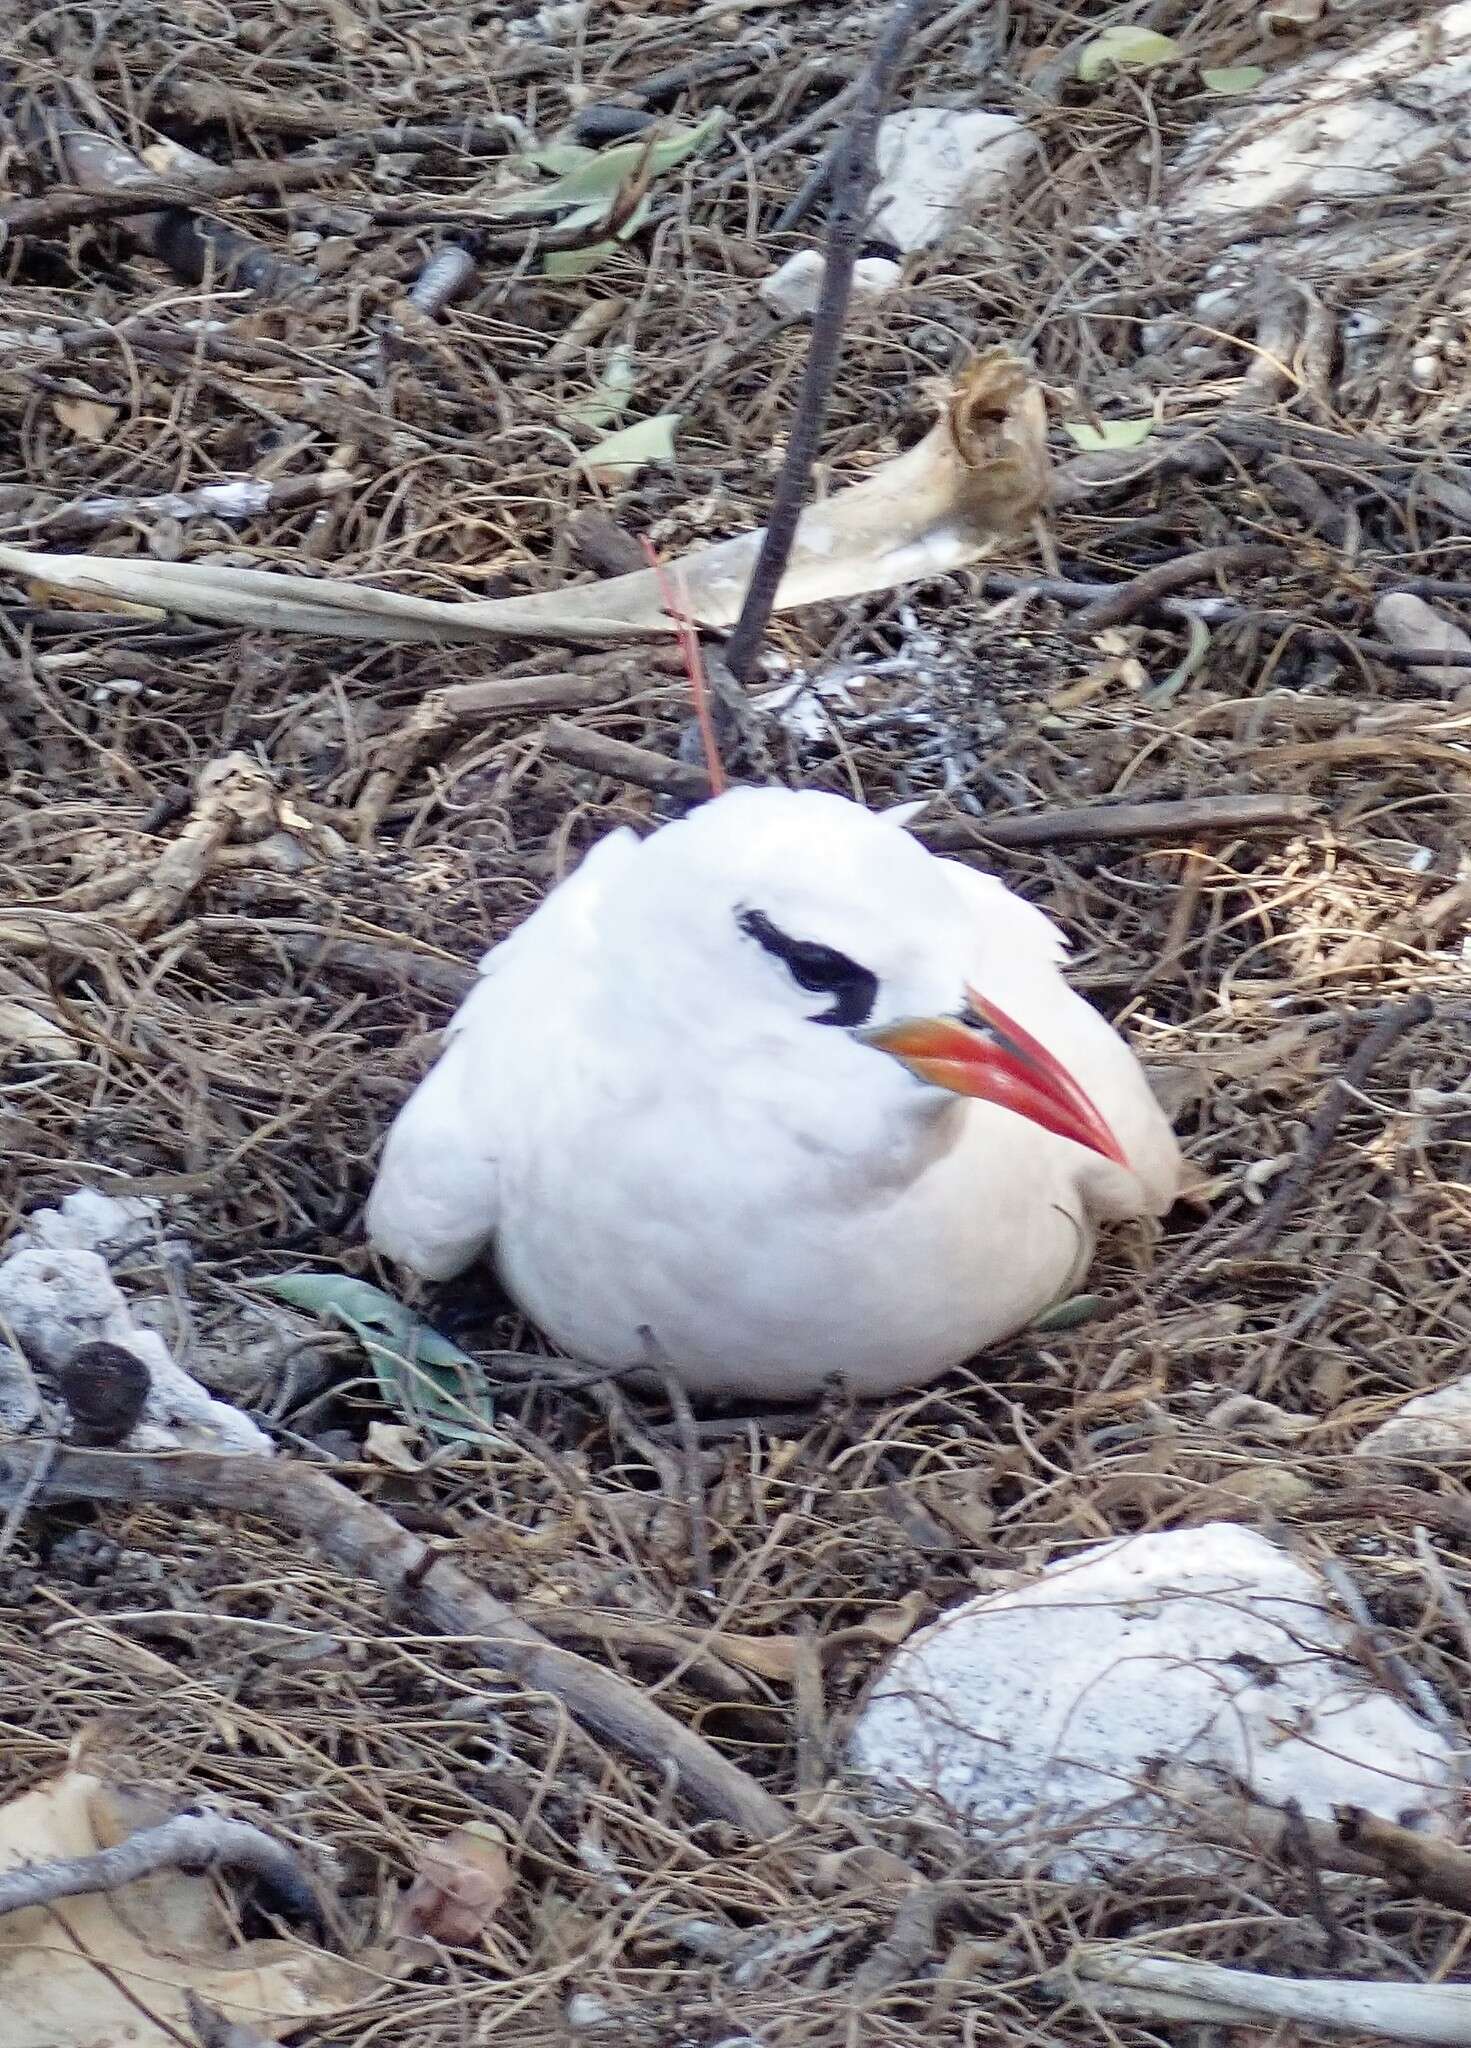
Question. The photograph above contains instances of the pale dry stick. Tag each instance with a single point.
(692, 1484)
(275, 113)
(362, 957)
(1170, 818)
(910, 1945)
(242, 498)
(810, 1722)
(1121, 1980)
(624, 761)
(190, 1841)
(360, 1538)
(232, 793)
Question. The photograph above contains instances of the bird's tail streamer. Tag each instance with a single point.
(694, 663)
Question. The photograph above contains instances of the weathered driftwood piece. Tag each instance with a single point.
(358, 1537)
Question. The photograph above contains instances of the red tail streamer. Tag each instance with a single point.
(694, 663)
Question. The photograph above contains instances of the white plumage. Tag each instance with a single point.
(659, 1114)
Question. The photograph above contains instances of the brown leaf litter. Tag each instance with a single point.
(242, 876)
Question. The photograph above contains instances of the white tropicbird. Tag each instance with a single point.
(770, 1097)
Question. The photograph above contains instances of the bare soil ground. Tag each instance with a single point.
(240, 1051)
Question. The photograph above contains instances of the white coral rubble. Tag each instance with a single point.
(57, 1293)
(1040, 1716)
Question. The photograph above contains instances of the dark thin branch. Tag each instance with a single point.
(624, 761)
(214, 2030)
(1135, 596)
(1170, 818)
(853, 176)
(1330, 1114)
(69, 208)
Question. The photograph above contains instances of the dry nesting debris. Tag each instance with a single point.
(243, 877)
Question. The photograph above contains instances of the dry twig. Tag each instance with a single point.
(1330, 1114)
(190, 1841)
(361, 1538)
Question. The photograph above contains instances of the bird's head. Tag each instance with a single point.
(801, 923)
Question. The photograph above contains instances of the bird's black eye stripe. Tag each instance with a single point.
(820, 969)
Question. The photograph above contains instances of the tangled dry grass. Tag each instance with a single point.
(239, 1051)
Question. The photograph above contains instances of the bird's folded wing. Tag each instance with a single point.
(433, 1206)
(435, 1203)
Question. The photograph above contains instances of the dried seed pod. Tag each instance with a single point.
(104, 1387)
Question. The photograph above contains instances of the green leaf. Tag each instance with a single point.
(650, 440)
(421, 1375)
(1130, 49)
(1111, 434)
(555, 158)
(1234, 78)
(1195, 654)
(609, 398)
(577, 262)
(599, 179)
(1070, 1314)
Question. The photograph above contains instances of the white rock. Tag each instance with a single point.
(1432, 1429)
(586, 2009)
(20, 1402)
(1347, 138)
(939, 167)
(795, 289)
(54, 1299)
(1419, 628)
(88, 1221)
(1038, 1715)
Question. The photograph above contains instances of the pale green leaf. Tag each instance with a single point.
(420, 1374)
(1234, 78)
(577, 262)
(555, 158)
(1128, 49)
(1195, 654)
(597, 181)
(1070, 1314)
(650, 440)
(1111, 434)
(608, 400)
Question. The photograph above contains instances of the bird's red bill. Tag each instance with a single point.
(1011, 1069)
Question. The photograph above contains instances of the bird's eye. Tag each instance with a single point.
(822, 970)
